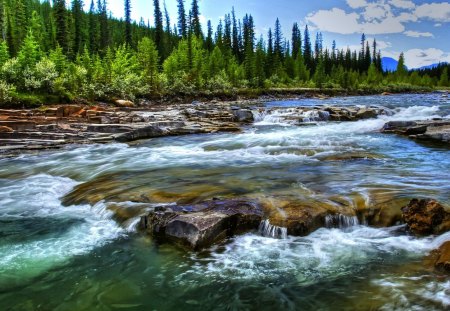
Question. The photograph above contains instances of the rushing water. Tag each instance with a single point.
(77, 256)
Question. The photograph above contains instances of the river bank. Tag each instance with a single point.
(52, 127)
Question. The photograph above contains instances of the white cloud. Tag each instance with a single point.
(354, 4)
(338, 21)
(374, 11)
(418, 34)
(416, 58)
(403, 4)
(378, 17)
(437, 25)
(435, 11)
(335, 20)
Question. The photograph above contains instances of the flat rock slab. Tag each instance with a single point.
(430, 130)
(201, 225)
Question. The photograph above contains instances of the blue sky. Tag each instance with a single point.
(420, 29)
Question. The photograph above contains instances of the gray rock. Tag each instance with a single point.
(201, 225)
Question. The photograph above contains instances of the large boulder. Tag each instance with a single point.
(201, 225)
(426, 216)
(243, 115)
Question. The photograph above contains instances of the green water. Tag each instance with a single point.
(80, 256)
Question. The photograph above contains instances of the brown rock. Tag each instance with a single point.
(426, 217)
(443, 259)
(299, 219)
(6, 129)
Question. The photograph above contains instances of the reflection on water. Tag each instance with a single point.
(67, 219)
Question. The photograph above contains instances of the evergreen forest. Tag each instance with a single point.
(53, 52)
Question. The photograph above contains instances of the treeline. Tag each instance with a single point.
(51, 52)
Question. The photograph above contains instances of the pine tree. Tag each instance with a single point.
(182, 23)
(227, 41)
(249, 41)
(195, 19)
(270, 54)
(307, 49)
(78, 18)
(401, 71)
(209, 43)
(60, 16)
(296, 41)
(278, 40)
(128, 36)
(147, 56)
(29, 53)
(443, 81)
(104, 29)
(260, 75)
(20, 20)
(235, 35)
(159, 28)
(93, 29)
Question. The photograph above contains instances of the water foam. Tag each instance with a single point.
(37, 198)
(325, 254)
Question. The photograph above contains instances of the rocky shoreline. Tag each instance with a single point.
(54, 127)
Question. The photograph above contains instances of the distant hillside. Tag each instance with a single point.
(389, 64)
(430, 66)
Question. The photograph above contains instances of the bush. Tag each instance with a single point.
(7, 92)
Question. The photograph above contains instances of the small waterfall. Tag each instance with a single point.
(316, 115)
(341, 221)
(259, 115)
(131, 225)
(271, 231)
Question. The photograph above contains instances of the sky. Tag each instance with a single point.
(419, 28)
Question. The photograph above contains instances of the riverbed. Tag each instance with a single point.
(78, 256)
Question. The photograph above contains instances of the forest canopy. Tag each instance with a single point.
(51, 52)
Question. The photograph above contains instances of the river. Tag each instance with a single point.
(77, 256)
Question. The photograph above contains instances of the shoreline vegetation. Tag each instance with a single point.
(54, 54)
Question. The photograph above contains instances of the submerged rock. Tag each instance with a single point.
(201, 225)
(426, 217)
(443, 257)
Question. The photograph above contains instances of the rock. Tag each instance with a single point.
(243, 115)
(436, 134)
(299, 219)
(19, 125)
(6, 129)
(124, 103)
(443, 257)
(149, 131)
(201, 225)
(365, 113)
(397, 126)
(426, 217)
(430, 130)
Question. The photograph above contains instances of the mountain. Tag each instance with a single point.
(430, 66)
(389, 64)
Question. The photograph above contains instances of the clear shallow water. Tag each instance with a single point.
(77, 257)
